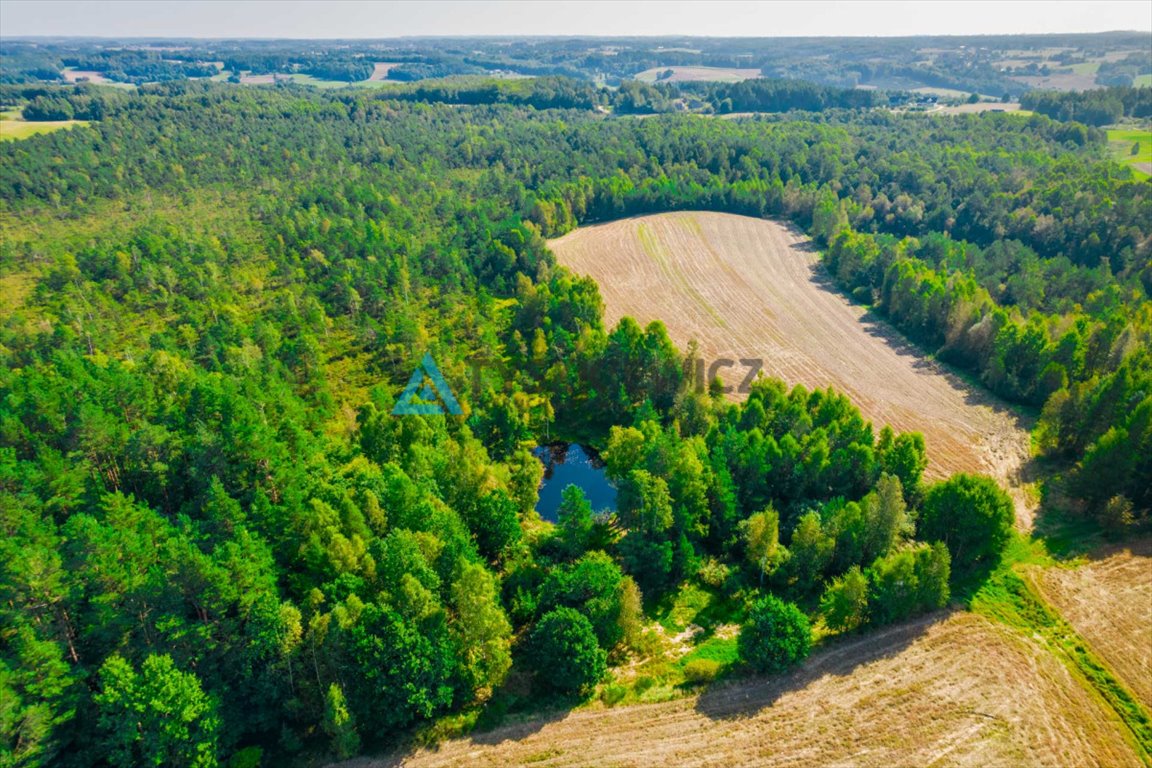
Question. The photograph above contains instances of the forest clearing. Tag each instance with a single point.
(746, 288)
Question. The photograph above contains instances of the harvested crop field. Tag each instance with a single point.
(80, 75)
(944, 690)
(380, 70)
(980, 107)
(698, 75)
(1109, 603)
(750, 288)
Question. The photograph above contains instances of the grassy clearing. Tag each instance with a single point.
(14, 289)
(1085, 68)
(1121, 143)
(12, 130)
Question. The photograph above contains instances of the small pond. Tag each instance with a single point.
(568, 464)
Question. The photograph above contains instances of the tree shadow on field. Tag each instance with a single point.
(513, 713)
(970, 388)
(516, 728)
(742, 698)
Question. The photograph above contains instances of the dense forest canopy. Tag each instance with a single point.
(221, 543)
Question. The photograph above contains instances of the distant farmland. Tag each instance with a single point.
(749, 288)
(12, 128)
(1122, 141)
(698, 74)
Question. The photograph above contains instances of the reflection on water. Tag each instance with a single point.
(572, 464)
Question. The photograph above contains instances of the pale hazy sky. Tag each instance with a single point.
(387, 18)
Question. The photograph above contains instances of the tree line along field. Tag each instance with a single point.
(13, 127)
(749, 288)
(224, 544)
(945, 690)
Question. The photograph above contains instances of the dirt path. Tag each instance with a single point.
(945, 690)
(751, 288)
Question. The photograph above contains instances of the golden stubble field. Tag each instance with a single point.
(948, 689)
(743, 287)
(1108, 601)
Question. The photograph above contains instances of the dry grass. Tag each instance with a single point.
(77, 75)
(750, 288)
(945, 690)
(699, 74)
(1109, 603)
(269, 79)
(981, 106)
(380, 70)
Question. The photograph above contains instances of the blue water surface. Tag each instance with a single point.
(572, 464)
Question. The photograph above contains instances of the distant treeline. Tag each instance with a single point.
(82, 102)
(140, 66)
(635, 97)
(773, 95)
(968, 64)
(343, 68)
(1100, 107)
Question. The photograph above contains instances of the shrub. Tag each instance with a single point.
(613, 694)
(698, 671)
(776, 636)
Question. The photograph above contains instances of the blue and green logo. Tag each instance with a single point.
(427, 393)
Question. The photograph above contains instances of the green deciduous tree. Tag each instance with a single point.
(158, 716)
(482, 630)
(908, 581)
(339, 724)
(565, 653)
(775, 637)
(972, 516)
(845, 601)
